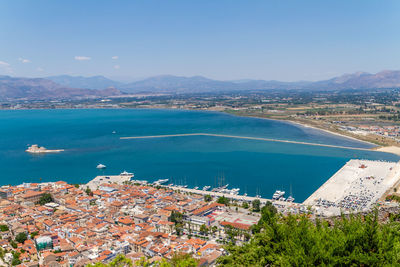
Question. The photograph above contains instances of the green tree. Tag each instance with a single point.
(177, 260)
(33, 234)
(182, 260)
(256, 204)
(4, 227)
(207, 198)
(204, 229)
(21, 237)
(177, 218)
(245, 205)
(223, 200)
(89, 191)
(45, 198)
(15, 260)
(13, 244)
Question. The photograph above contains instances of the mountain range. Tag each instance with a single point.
(177, 84)
(78, 87)
(41, 89)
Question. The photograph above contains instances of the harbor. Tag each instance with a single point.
(100, 181)
(356, 187)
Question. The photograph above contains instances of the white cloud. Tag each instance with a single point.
(24, 60)
(40, 69)
(114, 57)
(81, 58)
(6, 67)
(116, 67)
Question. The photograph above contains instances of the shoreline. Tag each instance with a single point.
(307, 126)
(384, 149)
(334, 133)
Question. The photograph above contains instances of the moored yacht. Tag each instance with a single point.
(205, 188)
(278, 194)
(290, 199)
(101, 166)
(125, 173)
(160, 181)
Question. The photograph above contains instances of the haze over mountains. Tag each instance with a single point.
(177, 84)
(78, 87)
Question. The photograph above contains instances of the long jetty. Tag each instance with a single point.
(248, 138)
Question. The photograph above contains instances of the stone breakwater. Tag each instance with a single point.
(244, 137)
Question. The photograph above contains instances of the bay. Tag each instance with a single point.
(256, 167)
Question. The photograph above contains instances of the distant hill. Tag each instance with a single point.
(196, 84)
(177, 84)
(12, 88)
(65, 86)
(361, 80)
(94, 82)
(169, 83)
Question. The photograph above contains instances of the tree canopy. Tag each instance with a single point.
(45, 198)
(21, 237)
(256, 204)
(3, 228)
(223, 200)
(178, 260)
(295, 240)
(207, 198)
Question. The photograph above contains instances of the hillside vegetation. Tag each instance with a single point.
(297, 241)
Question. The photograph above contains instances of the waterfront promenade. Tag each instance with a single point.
(230, 196)
(245, 137)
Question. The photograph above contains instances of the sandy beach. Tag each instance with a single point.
(389, 149)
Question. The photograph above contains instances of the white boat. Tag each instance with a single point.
(290, 199)
(114, 132)
(220, 189)
(125, 173)
(278, 194)
(282, 199)
(101, 166)
(205, 188)
(35, 149)
(160, 181)
(196, 187)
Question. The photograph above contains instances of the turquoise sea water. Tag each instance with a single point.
(254, 166)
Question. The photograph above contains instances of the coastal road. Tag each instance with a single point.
(245, 137)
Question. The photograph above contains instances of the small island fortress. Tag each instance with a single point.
(35, 149)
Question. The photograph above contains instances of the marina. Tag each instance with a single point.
(358, 186)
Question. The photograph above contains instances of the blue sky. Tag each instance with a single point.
(282, 40)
